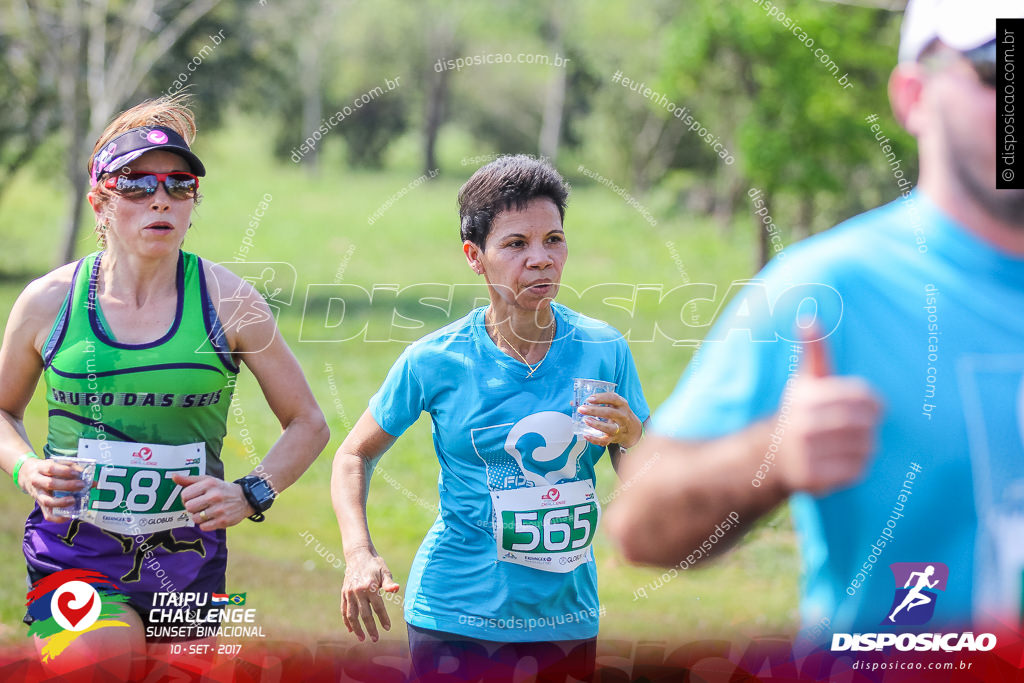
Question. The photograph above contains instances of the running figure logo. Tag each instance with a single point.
(914, 602)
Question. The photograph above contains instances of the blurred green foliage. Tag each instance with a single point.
(785, 88)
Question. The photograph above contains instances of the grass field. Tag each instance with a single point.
(319, 226)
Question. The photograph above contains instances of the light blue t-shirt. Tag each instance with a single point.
(495, 429)
(933, 318)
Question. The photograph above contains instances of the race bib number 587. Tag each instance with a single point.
(134, 491)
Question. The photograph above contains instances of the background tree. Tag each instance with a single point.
(797, 133)
(794, 131)
(29, 93)
(100, 53)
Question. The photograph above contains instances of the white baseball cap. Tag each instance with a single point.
(960, 24)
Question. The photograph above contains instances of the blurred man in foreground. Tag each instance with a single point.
(895, 429)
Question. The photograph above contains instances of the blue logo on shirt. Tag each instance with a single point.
(540, 449)
(545, 447)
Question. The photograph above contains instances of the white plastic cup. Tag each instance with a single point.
(86, 469)
(582, 389)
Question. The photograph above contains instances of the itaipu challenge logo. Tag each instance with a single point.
(68, 603)
(914, 603)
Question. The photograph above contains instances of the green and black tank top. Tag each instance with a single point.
(174, 390)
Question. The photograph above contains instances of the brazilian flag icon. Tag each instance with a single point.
(237, 598)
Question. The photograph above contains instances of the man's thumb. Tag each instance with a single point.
(817, 362)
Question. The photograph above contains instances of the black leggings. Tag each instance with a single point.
(440, 656)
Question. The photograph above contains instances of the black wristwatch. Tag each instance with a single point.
(259, 494)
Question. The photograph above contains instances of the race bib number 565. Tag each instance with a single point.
(134, 491)
(549, 528)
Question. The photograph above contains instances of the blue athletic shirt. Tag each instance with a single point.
(496, 430)
(933, 318)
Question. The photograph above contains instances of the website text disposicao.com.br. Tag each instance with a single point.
(460, 63)
(959, 665)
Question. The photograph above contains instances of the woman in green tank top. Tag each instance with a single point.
(139, 346)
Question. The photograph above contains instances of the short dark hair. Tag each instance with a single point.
(508, 182)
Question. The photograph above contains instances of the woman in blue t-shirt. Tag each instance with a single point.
(507, 569)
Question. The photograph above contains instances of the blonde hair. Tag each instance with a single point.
(170, 111)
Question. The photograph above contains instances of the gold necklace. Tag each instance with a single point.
(533, 368)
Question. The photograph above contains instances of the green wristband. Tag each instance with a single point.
(17, 467)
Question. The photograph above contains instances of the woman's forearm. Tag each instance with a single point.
(354, 461)
(294, 451)
(13, 440)
(350, 486)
